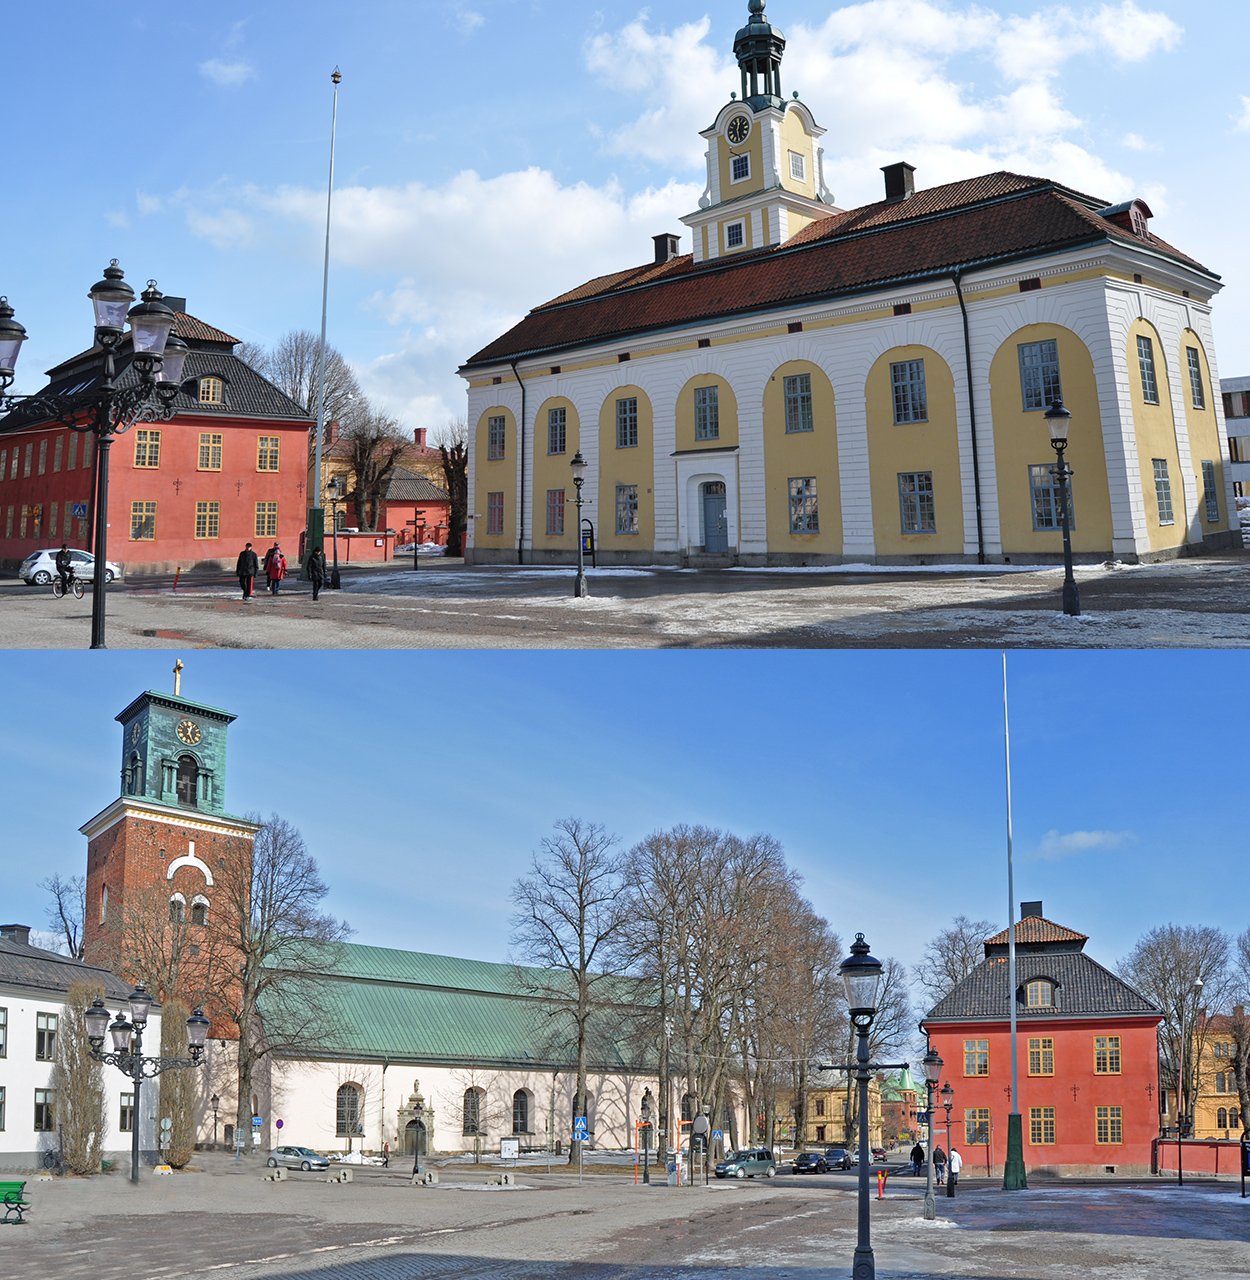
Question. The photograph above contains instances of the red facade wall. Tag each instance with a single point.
(176, 486)
(1135, 1090)
(434, 515)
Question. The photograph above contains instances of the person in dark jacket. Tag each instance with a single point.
(917, 1158)
(317, 570)
(247, 568)
(65, 565)
(939, 1165)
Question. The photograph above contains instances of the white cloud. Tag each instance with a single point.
(466, 21)
(1243, 121)
(227, 74)
(1055, 845)
(1135, 142)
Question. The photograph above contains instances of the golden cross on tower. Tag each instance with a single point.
(178, 678)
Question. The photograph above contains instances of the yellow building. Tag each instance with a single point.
(829, 1102)
(1217, 1111)
(815, 385)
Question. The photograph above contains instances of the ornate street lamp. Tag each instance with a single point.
(948, 1095)
(214, 1102)
(1058, 419)
(646, 1136)
(127, 1055)
(108, 410)
(416, 1140)
(335, 490)
(579, 466)
(932, 1074)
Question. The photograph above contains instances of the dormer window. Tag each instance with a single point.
(740, 168)
(1132, 215)
(1139, 222)
(212, 391)
(798, 167)
(1040, 994)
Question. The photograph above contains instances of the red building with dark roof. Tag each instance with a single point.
(228, 468)
(1087, 1053)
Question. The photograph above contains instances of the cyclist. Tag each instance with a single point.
(65, 566)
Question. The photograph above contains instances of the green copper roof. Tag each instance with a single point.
(895, 1086)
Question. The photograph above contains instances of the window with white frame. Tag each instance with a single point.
(798, 394)
(1197, 394)
(495, 436)
(915, 497)
(804, 515)
(1163, 489)
(1039, 374)
(494, 513)
(1146, 364)
(798, 166)
(45, 1036)
(740, 168)
(707, 413)
(555, 512)
(910, 401)
(1047, 513)
(556, 424)
(627, 508)
(735, 234)
(627, 422)
(1209, 495)
(126, 1113)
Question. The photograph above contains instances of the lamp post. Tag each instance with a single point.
(1058, 419)
(948, 1095)
(579, 466)
(932, 1074)
(116, 403)
(416, 1139)
(214, 1102)
(127, 1055)
(334, 491)
(646, 1136)
(1182, 1117)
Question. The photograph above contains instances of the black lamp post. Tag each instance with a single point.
(107, 409)
(947, 1096)
(646, 1136)
(213, 1102)
(932, 1074)
(1058, 419)
(416, 1140)
(334, 491)
(127, 1055)
(579, 466)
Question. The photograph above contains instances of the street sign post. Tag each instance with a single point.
(277, 1124)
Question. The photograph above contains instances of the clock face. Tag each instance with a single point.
(135, 730)
(738, 129)
(189, 732)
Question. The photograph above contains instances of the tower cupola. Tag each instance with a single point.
(758, 47)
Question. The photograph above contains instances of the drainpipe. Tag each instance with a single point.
(972, 418)
(520, 501)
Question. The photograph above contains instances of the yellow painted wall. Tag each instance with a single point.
(685, 414)
(916, 446)
(753, 146)
(1204, 435)
(794, 137)
(747, 218)
(625, 466)
(1022, 439)
(1156, 438)
(494, 476)
(802, 453)
(552, 471)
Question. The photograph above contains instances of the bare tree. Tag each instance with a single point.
(951, 956)
(1165, 967)
(78, 1081)
(452, 442)
(254, 355)
(375, 445)
(283, 947)
(67, 910)
(292, 366)
(1239, 1026)
(178, 1087)
(568, 920)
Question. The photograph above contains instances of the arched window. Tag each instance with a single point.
(177, 909)
(104, 903)
(1234, 1119)
(199, 911)
(472, 1112)
(687, 1106)
(188, 778)
(134, 775)
(348, 1110)
(1221, 1118)
(520, 1112)
(1040, 993)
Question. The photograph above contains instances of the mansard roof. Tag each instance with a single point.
(23, 965)
(997, 218)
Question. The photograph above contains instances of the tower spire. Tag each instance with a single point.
(758, 47)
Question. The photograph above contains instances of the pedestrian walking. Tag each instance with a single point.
(386, 1146)
(939, 1165)
(955, 1163)
(317, 570)
(917, 1159)
(247, 567)
(275, 568)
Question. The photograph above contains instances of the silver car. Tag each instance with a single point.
(297, 1158)
(39, 568)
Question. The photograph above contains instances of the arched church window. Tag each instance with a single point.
(472, 1112)
(188, 778)
(177, 909)
(134, 776)
(348, 1110)
(520, 1112)
(199, 911)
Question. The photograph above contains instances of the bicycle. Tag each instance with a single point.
(54, 1161)
(75, 585)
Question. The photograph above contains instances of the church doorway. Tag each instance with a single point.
(415, 1142)
(715, 526)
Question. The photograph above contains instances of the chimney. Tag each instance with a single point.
(898, 181)
(1028, 909)
(175, 304)
(332, 431)
(16, 933)
(418, 434)
(666, 247)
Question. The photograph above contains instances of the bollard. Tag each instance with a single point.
(881, 1177)
(278, 1174)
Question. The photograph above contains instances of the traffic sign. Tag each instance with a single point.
(923, 1117)
(277, 1124)
(579, 1125)
(257, 1122)
(80, 510)
(718, 1135)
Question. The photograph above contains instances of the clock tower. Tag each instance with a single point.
(765, 173)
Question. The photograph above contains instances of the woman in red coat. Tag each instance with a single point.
(275, 567)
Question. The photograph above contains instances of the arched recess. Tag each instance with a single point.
(626, 462)
(552, 475)
(923, 452)
(494, 476)
(801, 463)
(1204, 433)
(1155, 430)
(199, 909)
(187, 780)
(1029, 515)
(689, 413)
(177, 908)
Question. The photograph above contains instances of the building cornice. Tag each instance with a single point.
(150, 811)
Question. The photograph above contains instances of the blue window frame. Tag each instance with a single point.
(556, 430)
(1045, 494)
(495, 436)
(627, 423)
(798, 393)
(915, 498)
(627, 508)
(1146, 363)
(1039, 374)
(707, 413)
(804, 514)
(910, 401)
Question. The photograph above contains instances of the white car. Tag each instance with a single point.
(39, 568)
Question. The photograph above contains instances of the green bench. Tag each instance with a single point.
(13, 1200)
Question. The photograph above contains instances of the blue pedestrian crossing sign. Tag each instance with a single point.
(718, 1135)
(579, 1126)
(80, 510)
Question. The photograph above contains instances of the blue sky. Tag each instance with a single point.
(422, 785)
(493, 153)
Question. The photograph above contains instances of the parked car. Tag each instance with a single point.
(810, 1162)
(297, 1158)
(839, 1158)
(747, 1164)
(880, 1155)
(39, 568)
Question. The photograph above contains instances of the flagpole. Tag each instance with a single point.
(1014, 1176)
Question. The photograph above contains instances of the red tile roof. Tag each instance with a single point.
(186, 326)
(996, 217)
(1037, 929)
